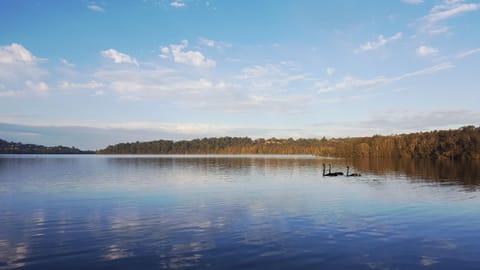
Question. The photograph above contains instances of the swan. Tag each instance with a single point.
(353, 174)
(330, 171)
(335, 173)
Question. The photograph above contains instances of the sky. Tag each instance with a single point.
(94, 73)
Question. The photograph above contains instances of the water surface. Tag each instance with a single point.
(236, 212)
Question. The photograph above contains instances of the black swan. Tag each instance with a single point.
(353, 174)
(330, 171)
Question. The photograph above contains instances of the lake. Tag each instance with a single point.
(236, 212)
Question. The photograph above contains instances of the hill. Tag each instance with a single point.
(20, 148)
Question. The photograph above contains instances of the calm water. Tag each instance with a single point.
(221, 212)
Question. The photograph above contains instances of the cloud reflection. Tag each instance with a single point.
(12, 255)
(114, 252)
(427, 261)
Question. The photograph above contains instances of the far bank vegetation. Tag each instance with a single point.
(462, 143)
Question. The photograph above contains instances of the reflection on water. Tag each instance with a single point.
(462, 172)
(236, 212)
(12, 254)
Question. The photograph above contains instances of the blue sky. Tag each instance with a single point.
(93, 73)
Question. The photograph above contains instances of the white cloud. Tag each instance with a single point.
(431, 23)
(424, 51)
(329, 71)
(184, 128)
(158, 82)
(66, 63)
(468, 53)
(350, 83)
(99, 93)
(273, 88)
(118, 57)
(259, 71)
(16, 53)
(17, 65)
(450, 9)
(438, 29)
(39, 87)
(191, 58)
(164, 52)
(213, 44)
(380, 42)
(95, 8)
(10, 93)
(177, 4)
(413, 2)
(430, 70)
(269, 77)
(260, 87)
(206, 42)
(88, 85)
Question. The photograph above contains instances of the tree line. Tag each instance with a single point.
(20, 148)
(457, 144)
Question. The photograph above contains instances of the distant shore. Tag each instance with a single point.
(457, 144)
(20, 148)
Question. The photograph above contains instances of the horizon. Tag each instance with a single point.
(249, 137)
(94, 73)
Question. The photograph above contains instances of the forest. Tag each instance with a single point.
(457, 144)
